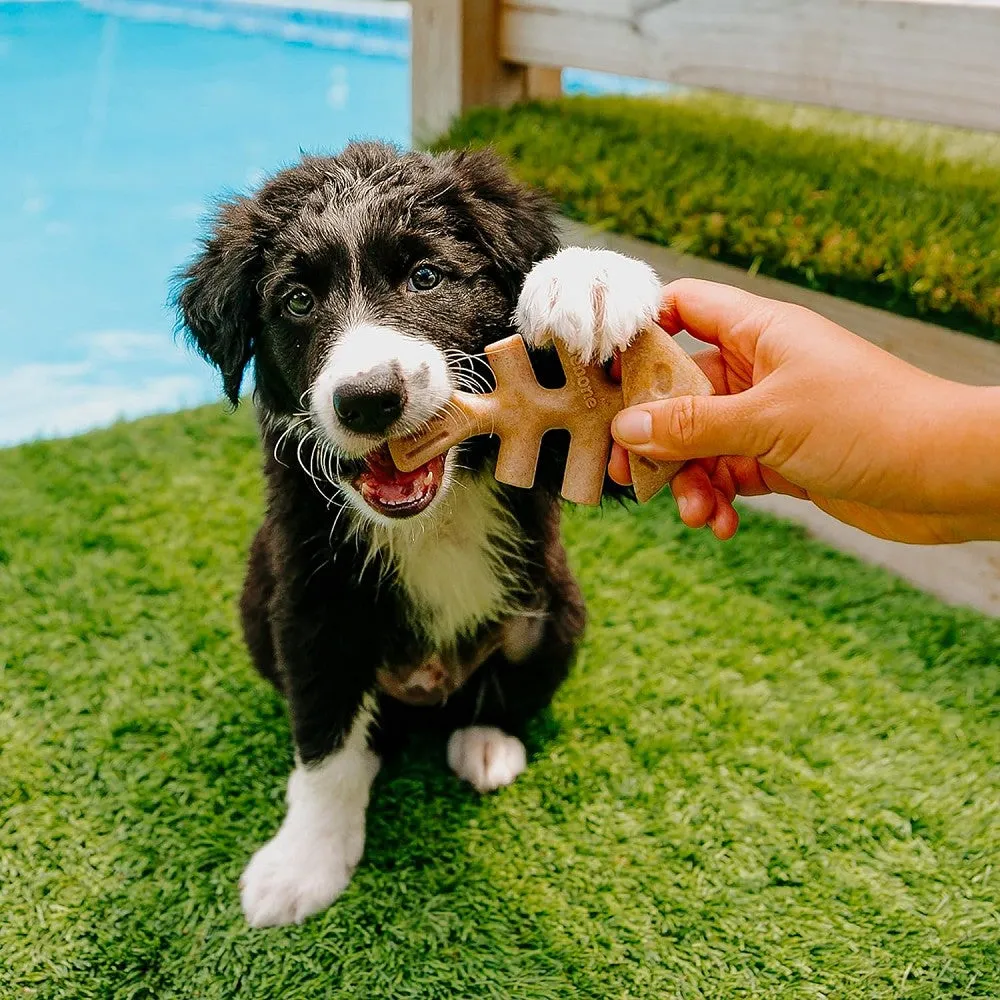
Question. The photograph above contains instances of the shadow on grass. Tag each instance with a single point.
(179, 845)
(950, 653)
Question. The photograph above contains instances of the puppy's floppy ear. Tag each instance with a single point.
(515, 223)
(217, 299)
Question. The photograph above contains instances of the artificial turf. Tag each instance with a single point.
(774, 772)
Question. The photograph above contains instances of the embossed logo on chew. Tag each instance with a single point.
(519, 411)
(582, 380)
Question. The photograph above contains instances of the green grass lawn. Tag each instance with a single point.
(774, 772)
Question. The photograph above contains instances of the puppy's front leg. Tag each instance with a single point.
(329, 676)
(310, 860)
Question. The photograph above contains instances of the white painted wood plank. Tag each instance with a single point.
(613, 9)
(932, 60)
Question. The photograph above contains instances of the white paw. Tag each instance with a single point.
(309, 861)
(294, 876)
(593, 301)
(486, 757)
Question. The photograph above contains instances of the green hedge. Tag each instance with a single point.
(893, 223)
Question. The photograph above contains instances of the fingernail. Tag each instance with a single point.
(633, 427)
(682, 506)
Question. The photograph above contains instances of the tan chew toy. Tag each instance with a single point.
(519, 411)
(656, 367)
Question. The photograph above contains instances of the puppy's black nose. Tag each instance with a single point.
(371, 402)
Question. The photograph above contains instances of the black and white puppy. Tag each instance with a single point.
(363, 288)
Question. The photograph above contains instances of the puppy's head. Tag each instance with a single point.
(362, 287)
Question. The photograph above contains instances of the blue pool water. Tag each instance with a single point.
(119, 121)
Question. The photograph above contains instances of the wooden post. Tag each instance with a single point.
(456, 64)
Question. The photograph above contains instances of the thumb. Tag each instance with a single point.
(688, 427)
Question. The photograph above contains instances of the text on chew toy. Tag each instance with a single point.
(583, 384)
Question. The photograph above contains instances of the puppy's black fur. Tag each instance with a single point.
(322, 611)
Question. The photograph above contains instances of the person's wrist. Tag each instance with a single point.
(960, 454)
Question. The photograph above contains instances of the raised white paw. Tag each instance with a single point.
(293, 876)
(486, 757)
(593, 301)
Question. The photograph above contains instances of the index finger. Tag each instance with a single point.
(713, 312)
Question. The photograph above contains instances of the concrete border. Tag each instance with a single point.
(958, 574)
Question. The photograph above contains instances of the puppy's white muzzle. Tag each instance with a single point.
(377, 383)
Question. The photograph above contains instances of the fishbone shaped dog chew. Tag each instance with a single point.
(519, 411)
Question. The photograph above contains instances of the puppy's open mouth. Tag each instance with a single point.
(394, 493)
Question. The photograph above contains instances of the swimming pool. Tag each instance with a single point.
(119, 121)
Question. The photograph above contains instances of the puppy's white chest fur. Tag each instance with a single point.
(458, 569)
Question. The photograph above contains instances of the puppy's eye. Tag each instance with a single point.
(299, 302)
(424, 278)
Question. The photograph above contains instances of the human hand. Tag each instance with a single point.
(805, 408)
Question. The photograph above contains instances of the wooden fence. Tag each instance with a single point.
(931, 60)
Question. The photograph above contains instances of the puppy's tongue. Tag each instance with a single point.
(394, 492)
(393, 485)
